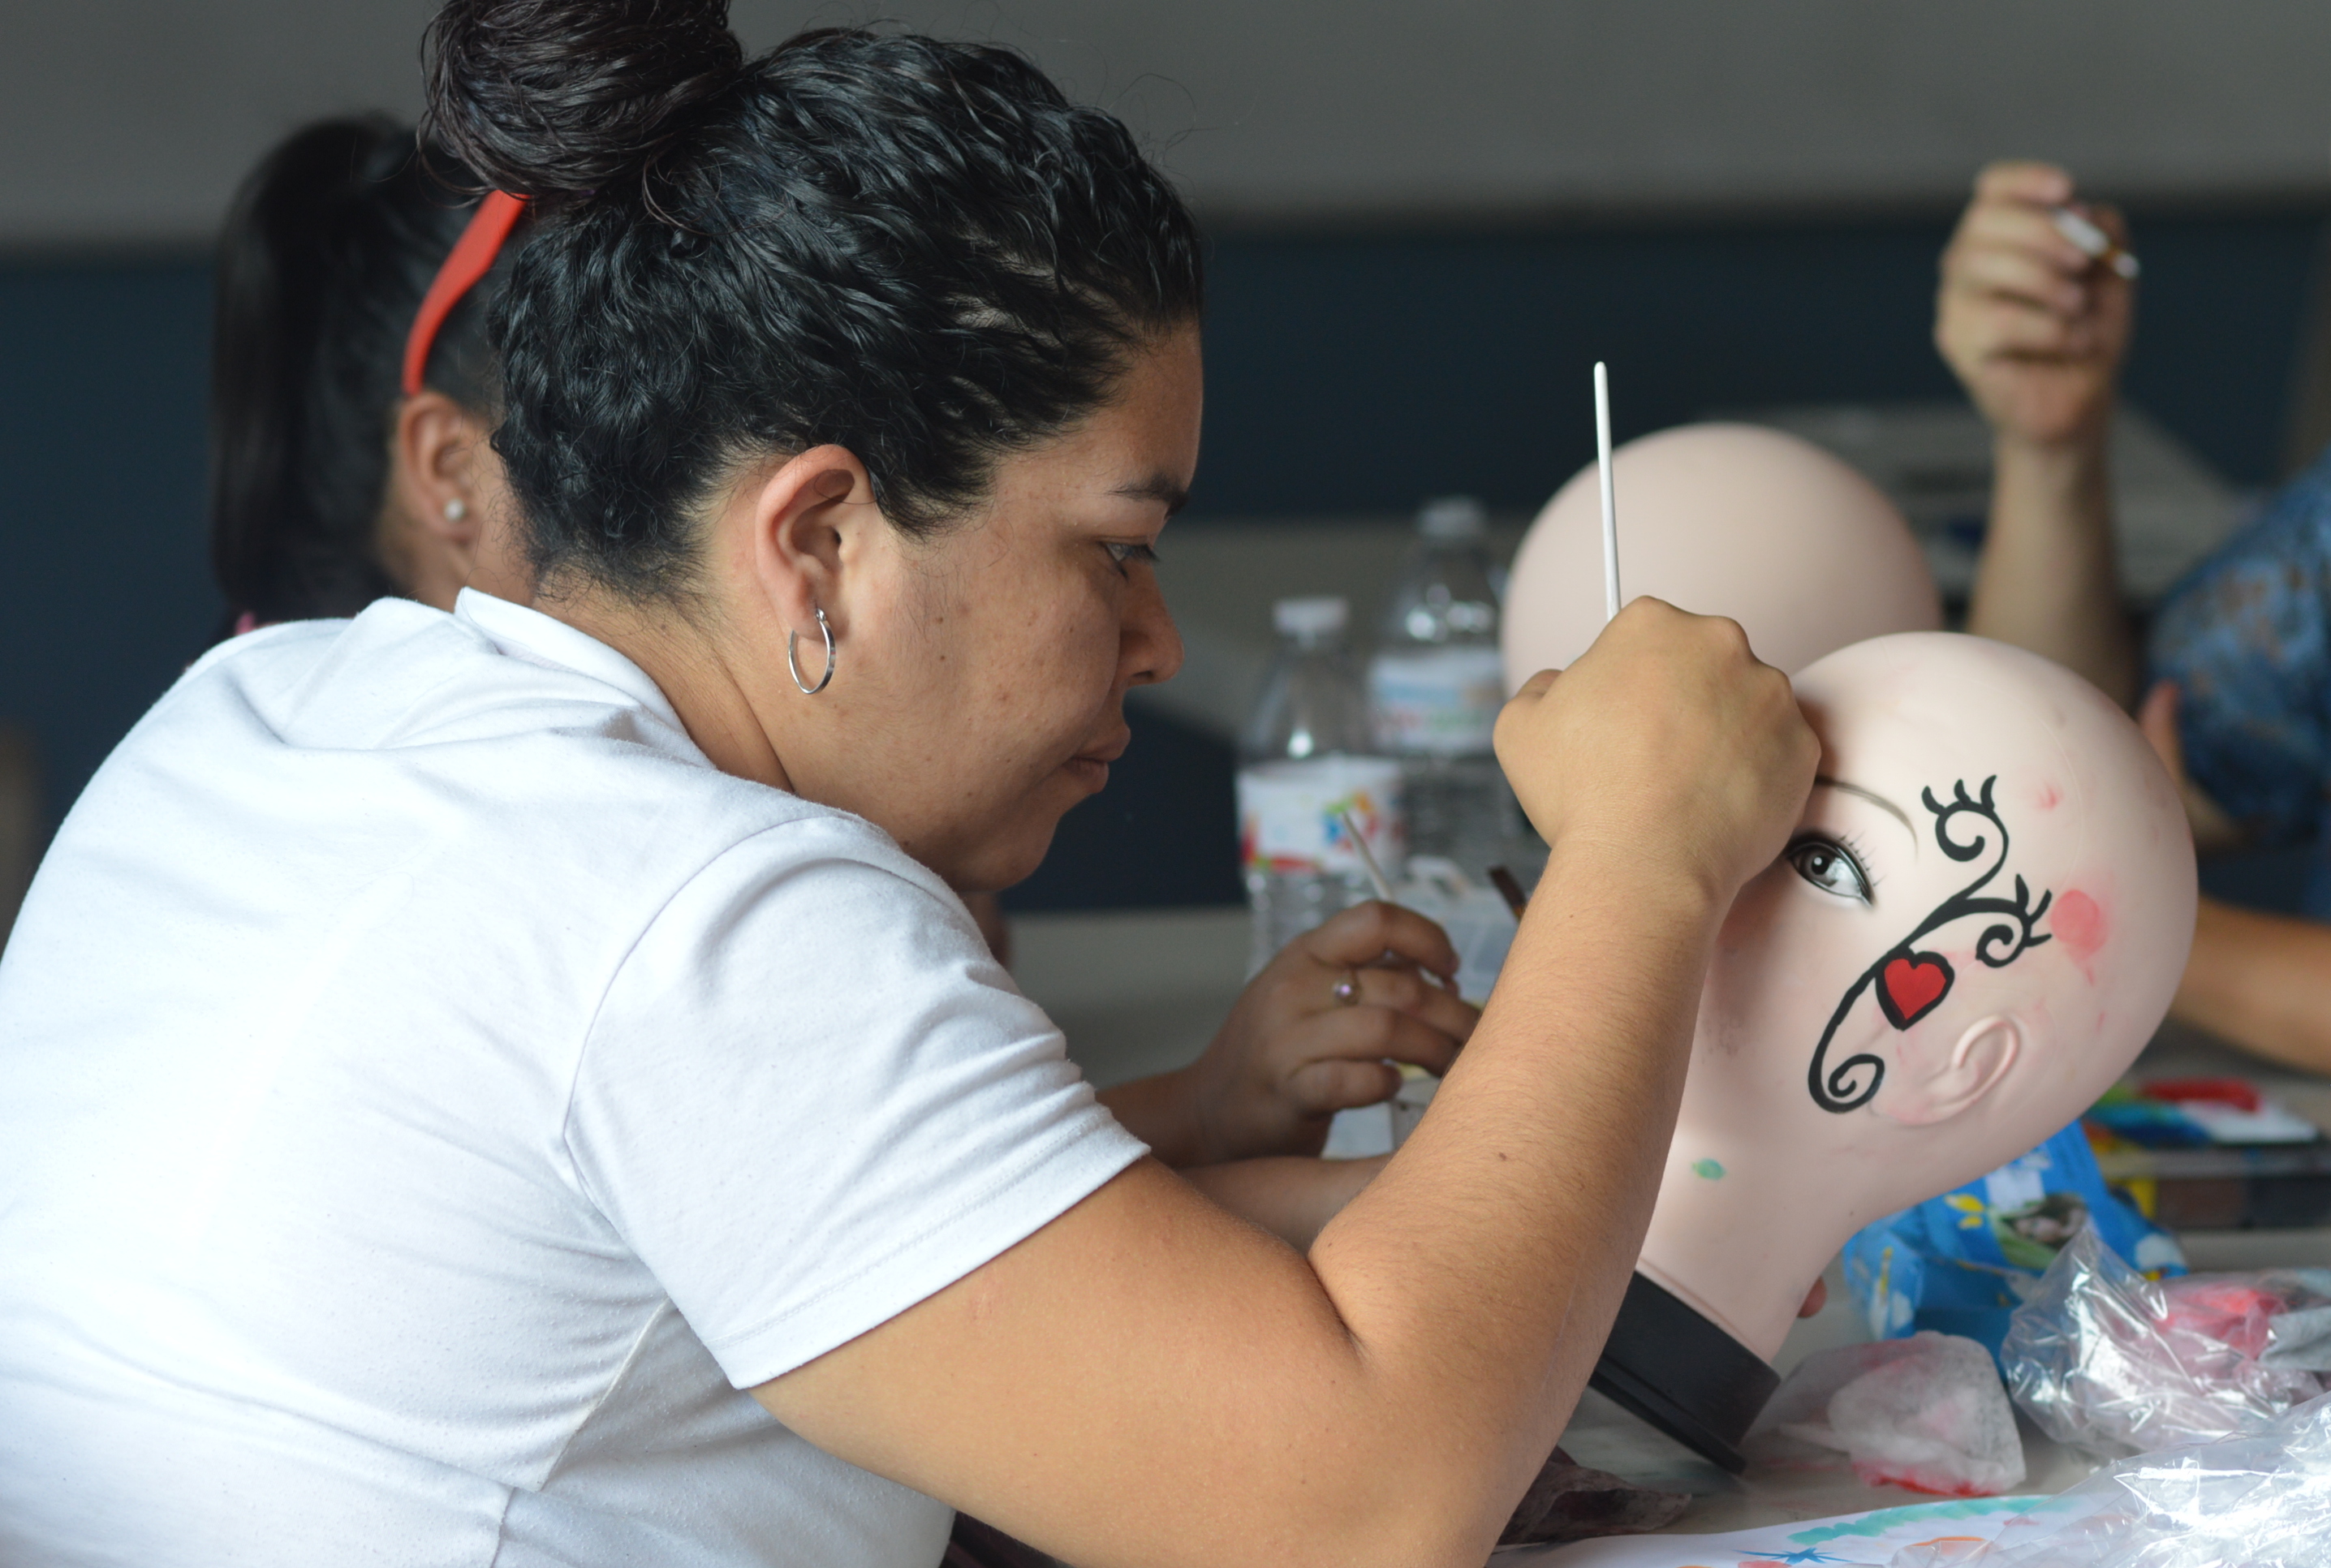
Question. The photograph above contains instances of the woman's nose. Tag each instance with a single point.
(1151, 646)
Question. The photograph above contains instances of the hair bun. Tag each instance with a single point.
(553, 97)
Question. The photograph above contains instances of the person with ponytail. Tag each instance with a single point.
(352, 389)
(518, 1085)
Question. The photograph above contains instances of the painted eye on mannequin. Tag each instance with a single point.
(1830, 866)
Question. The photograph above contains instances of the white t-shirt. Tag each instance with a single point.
(430, 1091)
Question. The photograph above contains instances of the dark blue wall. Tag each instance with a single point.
(1360, 375)
(1348, 373)
(105, 584)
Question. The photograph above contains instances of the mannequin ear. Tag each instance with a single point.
(1984, 1054)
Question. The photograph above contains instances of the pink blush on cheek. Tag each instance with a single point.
(2078, 924)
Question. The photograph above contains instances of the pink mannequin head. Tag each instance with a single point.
(1722, 519)
(1980, 923)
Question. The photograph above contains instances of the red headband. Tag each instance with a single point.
(473, 257)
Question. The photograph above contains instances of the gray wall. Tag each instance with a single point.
(130, 120)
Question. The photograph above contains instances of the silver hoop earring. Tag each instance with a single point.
(793, 639)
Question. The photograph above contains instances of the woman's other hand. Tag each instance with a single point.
(1316, 1033)
(2034, 327)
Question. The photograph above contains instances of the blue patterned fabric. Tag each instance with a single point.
(2247, 636)
(1960, 1263)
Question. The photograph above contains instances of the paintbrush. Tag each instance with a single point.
(2094, 242)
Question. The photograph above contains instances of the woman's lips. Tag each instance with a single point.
(1089, 767)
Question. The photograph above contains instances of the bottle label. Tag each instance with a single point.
(1438, 701)
(1292, 814)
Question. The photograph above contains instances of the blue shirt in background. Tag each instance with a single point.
(2246, 637)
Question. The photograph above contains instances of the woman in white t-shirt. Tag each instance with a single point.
(354, 282)
(445, 1057)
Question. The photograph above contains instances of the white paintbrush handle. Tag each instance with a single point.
(1609, 497)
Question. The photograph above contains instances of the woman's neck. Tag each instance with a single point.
(698, 674)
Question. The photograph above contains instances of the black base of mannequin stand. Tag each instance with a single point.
(1683, 1374)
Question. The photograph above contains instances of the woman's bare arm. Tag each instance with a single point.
(1291, 1196)
(1149, 1380)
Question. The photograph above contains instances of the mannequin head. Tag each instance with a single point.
(1978, 925)
(1722, 519)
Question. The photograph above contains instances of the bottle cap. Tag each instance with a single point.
(1452, 517)
(1310, 617)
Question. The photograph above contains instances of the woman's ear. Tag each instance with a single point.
(805, 525)
(434, 513)
(1921, 1095)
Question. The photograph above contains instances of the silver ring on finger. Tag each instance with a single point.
(1347, 990)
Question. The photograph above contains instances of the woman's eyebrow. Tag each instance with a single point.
(1156, 488)
(1872, 796)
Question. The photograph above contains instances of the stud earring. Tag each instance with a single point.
(456, 510)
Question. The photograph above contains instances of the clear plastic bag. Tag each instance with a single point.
(2111, 1363)
(2261, 1500)
(1961, 1263)
(1925, 1412)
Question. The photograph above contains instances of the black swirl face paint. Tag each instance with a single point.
(1911, 984)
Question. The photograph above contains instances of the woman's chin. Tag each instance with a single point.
(1005, 853)
(1006, 860)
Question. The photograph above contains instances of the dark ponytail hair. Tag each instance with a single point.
(327, 252)
(918, 251)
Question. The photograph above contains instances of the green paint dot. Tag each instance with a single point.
(1707, 1168)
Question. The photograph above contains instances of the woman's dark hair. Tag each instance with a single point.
(918, 251)
(327, 252)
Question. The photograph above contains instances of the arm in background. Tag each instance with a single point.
(2255, 980)
(2036, 330)
(2262, 982)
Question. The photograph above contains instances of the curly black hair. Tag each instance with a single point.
(919, 251)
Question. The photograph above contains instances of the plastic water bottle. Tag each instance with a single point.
(1307, 765)
(1435, 688)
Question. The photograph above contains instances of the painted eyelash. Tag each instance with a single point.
(1851, 848)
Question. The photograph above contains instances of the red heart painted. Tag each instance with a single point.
(1911, 985)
